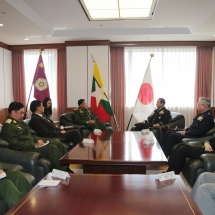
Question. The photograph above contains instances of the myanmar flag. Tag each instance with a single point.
(100, 104)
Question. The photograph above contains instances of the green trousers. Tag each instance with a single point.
(53, 151)
(14, 187)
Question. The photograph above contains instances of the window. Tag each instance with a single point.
(50, 63)
(173, 75)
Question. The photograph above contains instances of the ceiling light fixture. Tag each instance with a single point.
(119, 9)
(1, 25)
(26, 38)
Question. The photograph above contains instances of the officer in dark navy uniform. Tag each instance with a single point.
(183, 151)
(202, 123)
(159, 117)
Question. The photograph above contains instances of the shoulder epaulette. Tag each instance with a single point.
(8, 121)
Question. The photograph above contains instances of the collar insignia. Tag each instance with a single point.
(200, 118)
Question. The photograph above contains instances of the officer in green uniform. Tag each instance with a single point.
(83, 116)
(13, 187)
(16, 132)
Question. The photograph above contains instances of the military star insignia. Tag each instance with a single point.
(99, 93)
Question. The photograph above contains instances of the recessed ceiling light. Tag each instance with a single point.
(1, 25)
(119, 9)
(26, 38)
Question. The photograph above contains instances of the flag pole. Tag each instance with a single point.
(26, 109)
(129, 122)
(92, 58)
(114, 117)
(151, 56)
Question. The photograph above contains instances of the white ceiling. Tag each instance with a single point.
(57, 21)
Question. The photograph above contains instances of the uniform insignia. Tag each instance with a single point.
(14, 121)
(75, 109)
(8, 121)
(19, 127)
(161, 112)
(200, 118)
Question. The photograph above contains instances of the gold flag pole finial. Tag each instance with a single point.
(41, 50)
(92, 58)
(152, 55)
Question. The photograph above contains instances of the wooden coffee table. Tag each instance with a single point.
(117, 153)
(109, 194)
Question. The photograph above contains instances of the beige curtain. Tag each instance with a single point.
(117, 87)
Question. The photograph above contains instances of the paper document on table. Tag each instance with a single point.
(49, 183)
(88, 142)
(97, 131)
(166, 176)
(60, 174)
(2, 175)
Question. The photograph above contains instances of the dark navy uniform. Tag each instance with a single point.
(183, 151)
(160, 116)
(81, 116)
(202, 123)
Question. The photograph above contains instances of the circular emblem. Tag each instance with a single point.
(146, 94)
(41, 84)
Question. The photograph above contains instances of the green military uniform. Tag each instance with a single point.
(13, 187)
(18, 135)
(81, 116)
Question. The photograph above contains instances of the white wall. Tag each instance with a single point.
(6, 87)
(80, 71)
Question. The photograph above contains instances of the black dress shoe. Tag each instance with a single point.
(69, 170)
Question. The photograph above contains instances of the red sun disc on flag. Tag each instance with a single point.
(146, 94)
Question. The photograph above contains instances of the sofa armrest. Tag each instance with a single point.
(209, 162)
(195, 143)
(200, 139)
(11, 167)
(28, 160)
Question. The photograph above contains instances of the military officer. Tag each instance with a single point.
(159, 117)
(16, 132)
(83, 116)
(183, 151)
(13, 187)
(202, 123)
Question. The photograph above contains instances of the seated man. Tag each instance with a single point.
(83, 116)
(204, 193)
(160, 116)
(183, 151)
(202, 123)
(13, 187)
(46, 128)
(17, 134)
